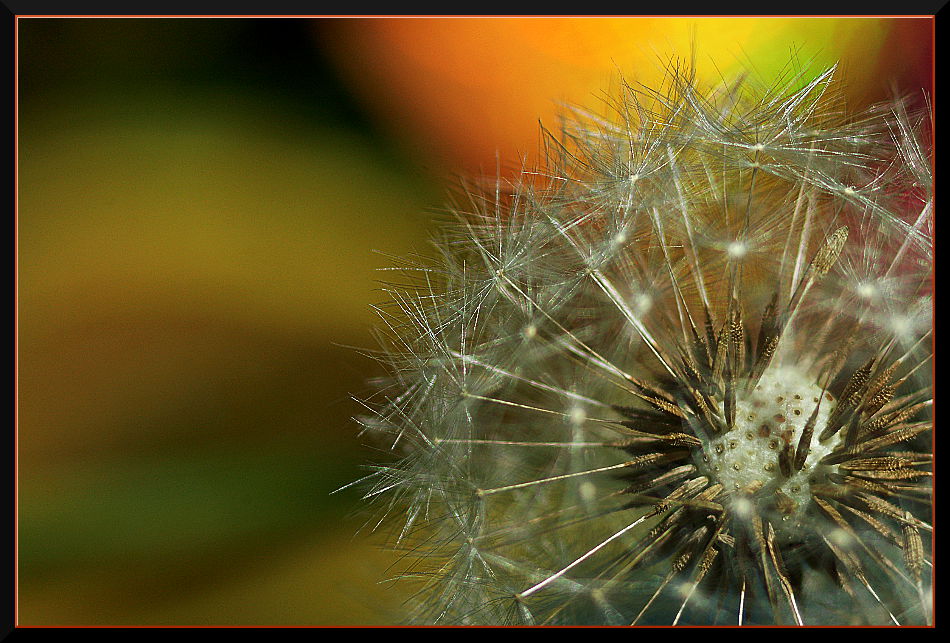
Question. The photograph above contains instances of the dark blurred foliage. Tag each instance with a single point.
(198, 205)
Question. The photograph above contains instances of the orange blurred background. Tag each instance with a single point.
(199, 202)
(462, 90)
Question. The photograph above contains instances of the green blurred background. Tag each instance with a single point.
(199, 200)
(198, 205)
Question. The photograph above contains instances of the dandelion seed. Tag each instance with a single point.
(677, 374)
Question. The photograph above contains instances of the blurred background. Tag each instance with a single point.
(199, 202)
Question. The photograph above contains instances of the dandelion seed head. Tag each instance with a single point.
(776, 411)
(703, 399)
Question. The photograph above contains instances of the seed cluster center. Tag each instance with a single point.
(768, 417)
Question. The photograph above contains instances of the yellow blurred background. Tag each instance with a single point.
(199, 202)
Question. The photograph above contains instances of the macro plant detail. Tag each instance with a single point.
(679, 373)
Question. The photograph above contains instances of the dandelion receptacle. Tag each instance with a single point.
(679, 373)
